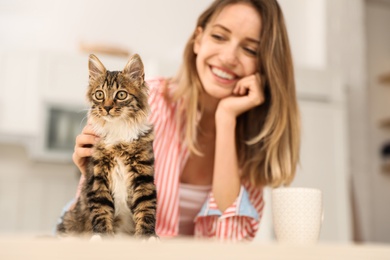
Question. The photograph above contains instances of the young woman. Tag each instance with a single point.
(226, 126)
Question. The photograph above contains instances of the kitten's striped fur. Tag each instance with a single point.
(119, 195)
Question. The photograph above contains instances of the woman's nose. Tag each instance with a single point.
(230, 55)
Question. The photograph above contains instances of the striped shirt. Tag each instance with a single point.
(238, 222)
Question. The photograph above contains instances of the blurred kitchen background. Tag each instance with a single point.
(341, 51)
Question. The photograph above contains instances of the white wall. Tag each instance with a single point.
(306, 24)
(157, 30)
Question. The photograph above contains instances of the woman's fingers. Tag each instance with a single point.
(240, 89)
(247, 94)
(83, 151)
(86, 140)
(251, 86)
(83, 147)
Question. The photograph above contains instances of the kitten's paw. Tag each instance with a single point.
(152, 239)
(96, 238)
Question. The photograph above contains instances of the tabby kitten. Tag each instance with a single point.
(119, 195)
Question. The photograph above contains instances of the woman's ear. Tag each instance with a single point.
(197, 39)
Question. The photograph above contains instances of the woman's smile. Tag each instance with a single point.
(223, 74)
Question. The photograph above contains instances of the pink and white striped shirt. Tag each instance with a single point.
(239, 222)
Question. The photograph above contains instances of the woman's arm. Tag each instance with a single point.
(226, 179)
(83, 149)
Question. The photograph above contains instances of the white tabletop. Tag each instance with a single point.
(30, 248)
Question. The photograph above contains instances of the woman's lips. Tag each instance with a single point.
(223, 74)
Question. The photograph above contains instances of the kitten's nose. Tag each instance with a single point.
(108, 108)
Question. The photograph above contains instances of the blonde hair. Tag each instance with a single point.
(267, 136)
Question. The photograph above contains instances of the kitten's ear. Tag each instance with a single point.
(135, 68)
(96, 67)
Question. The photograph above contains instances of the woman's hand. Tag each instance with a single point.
(83, 148)
(247, 94)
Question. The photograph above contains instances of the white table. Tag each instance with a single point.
(30, 248)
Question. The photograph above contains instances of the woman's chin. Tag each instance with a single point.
(218, 93)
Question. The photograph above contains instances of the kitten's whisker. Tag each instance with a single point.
(85, 112)
(82, 120)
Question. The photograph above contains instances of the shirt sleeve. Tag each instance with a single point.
(237, 223)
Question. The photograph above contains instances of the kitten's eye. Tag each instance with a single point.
(121, 95)
(99, 95)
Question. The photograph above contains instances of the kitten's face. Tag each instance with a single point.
(117, 95)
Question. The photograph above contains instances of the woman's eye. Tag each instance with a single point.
(251, 51)
(121, 95)
(217, 37)
(99, 95)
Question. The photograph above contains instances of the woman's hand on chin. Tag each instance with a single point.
(247, 94)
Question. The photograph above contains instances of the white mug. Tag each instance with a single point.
(297, 214)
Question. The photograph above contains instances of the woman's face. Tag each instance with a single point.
(227, 49)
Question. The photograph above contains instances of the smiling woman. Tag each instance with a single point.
(226, 126)
(226, 50)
